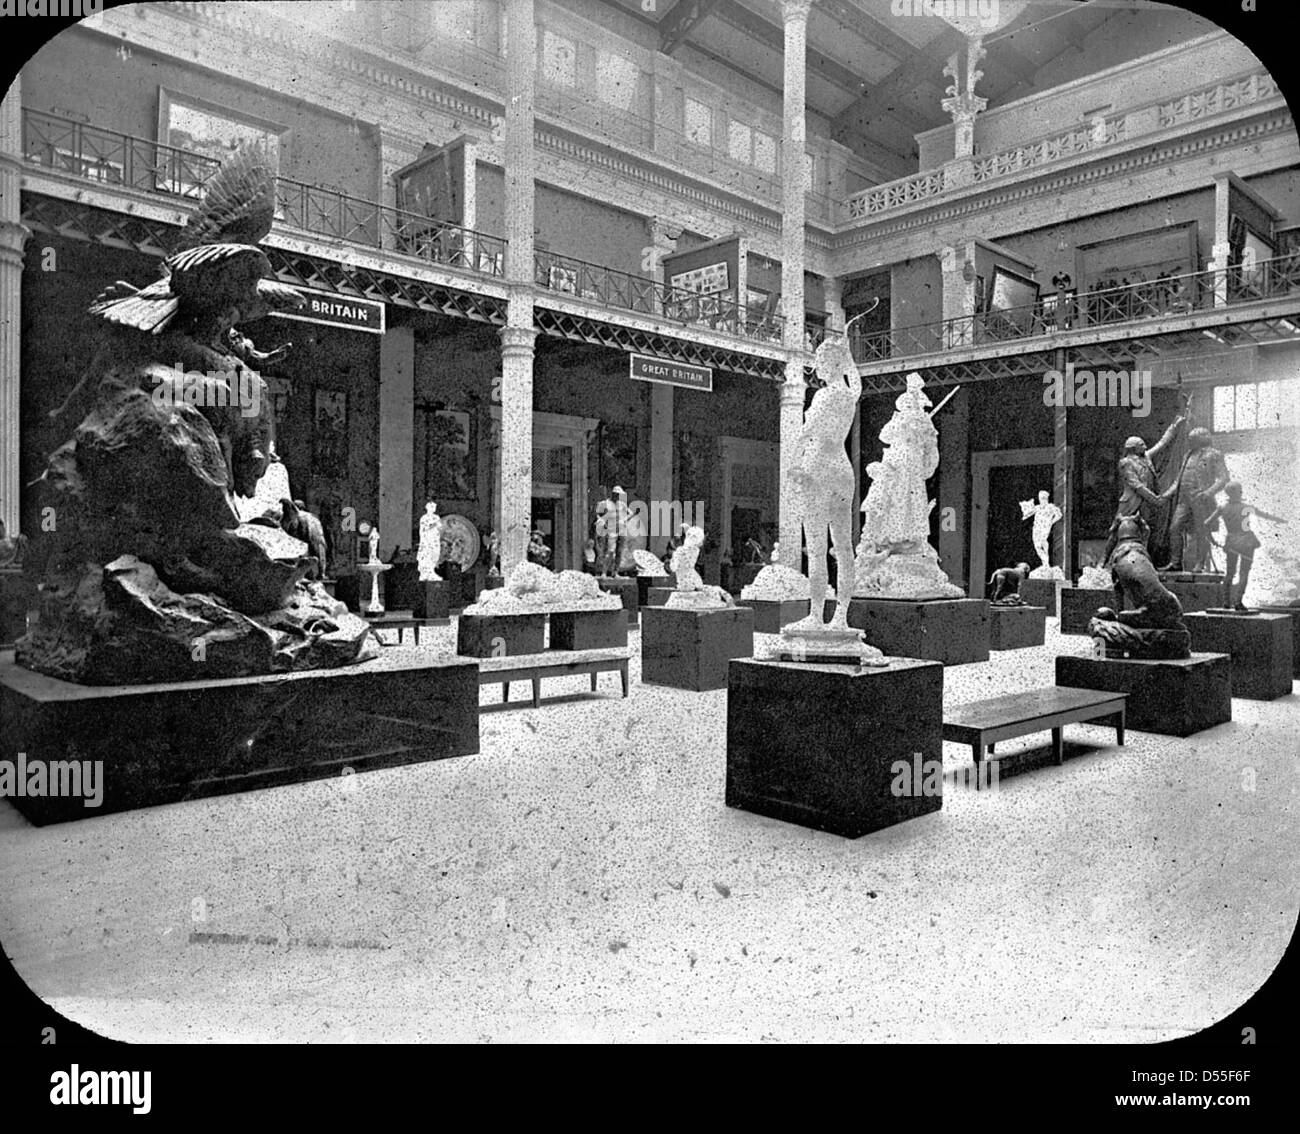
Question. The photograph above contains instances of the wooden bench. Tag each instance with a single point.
(401, 623)
(552, 663)
(981, 724)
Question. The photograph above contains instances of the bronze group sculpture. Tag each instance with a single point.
(150, 576)
(1149, 622)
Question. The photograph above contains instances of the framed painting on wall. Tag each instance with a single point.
(212, 132)
(450, 459)
(329, 446)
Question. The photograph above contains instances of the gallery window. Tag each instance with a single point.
(699, 122)
(559, 60)
(764, 151)
(1250, 405)
(740, 141)
(617, 79)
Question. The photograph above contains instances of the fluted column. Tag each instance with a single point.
(794, 14)
(518, 335)
(12, 237)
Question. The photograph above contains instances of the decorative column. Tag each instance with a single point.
(661, 459)
(963, 105)
(794, 14)
(12, 237)
(518, 335)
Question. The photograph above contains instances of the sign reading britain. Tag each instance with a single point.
(339, 311)
(650, 369)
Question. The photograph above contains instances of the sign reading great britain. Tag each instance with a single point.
(650, 369)
(339, 311)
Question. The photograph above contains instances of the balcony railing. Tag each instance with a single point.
(122, 161)
(1088, 137)
(1131, 303)
(613, 288)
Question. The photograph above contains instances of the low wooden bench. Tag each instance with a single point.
(981, 724)
(402, 622)
(552, 663)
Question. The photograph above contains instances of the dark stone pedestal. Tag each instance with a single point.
(952, 631)
(1080, 604)
(17, 597)
(1042, 592)
(588, 629)
(399, 587)
(645, 584)
(185, 740)
(430, 600)
(657, 596)
(1016, 627)
(1260, 646)
(691, 649)
(626, 589)
(817, 744)
(1174, 698)
(1196, 591)
(1292, 612)
(770, 616)
(500, 635)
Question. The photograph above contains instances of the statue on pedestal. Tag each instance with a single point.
(373, 541)
(11, 548)
(152, 575)
(691, 590)
(1005, 583)
(1137, 479)
(1046, 516)
(822, 486)
(1202, 477)
(1096, 578)
(894, 558)
(1149, 622)
(429, 551)
(606, 537)
(1239, 542)
(494, 555)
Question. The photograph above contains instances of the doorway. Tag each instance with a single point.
(999, 537)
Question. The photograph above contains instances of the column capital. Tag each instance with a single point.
(792, 10)
(518, 338)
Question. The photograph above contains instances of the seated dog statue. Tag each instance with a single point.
(1149, 622)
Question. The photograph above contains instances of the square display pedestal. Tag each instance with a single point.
(818, 744)
(657, 596)
(691, 649)
(430, 600)
(588, 629)
(1079, 604)
(645, 584)
(186, 740)
(1260, 646)
(770, 616)
(1173, 698)
(1016, 627)
(951, 631)
(1043, 592)
(1292, 612)
(1198, 590)
(626, 589)
(499, 635)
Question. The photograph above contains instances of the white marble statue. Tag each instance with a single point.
(821, 486)
(1046, 515)
(429, 551)
(775, 557)
(530, 587)
(1093, 577)
(374, 546)
(691, 591)
(649, 564)
(894, 558)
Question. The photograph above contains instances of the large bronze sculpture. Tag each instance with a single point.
(1201, 478)
(1138, 484)
(1149, 622)
(1239, 542)
(150, 576)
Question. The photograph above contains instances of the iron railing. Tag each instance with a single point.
(1126, 303)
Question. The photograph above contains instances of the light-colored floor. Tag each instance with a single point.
(582, 879)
